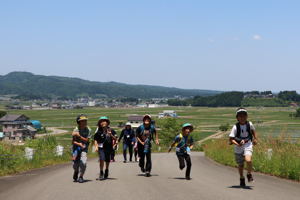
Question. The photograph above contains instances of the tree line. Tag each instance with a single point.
(236, 98)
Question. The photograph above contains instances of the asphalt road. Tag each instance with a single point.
(209, 181)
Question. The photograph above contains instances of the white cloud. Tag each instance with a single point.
(256, 37)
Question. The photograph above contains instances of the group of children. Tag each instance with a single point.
(242, 135)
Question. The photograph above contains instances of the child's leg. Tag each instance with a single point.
(241, 171)
(130, 152)
(188, 166)
(240, 159)
(74, 156)
(107, 165)
(248, 159)
(181, 162)
(101, 165)
(125, 151)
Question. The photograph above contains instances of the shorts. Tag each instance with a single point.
(104, 155)
(240, 157)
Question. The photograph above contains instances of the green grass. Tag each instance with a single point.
(268, 122)
(206, 120)
(285, 160)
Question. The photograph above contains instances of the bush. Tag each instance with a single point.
(12, 158)
(284, 162)
(224, 127)
(170, 127)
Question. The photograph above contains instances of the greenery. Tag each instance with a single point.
(29, 86)
(284, 162)
(2, 113)
(12, 158)
(289, 96)
(272, 102)
(170, 127)
(268, 122)
(224, 127)
(229, 99)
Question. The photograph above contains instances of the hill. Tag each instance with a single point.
(25, 84)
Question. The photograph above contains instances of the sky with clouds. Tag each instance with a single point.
(220, 45)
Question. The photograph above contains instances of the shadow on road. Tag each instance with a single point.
(239, 187)
(85, 181)
(107, 179)
(145, 175)
(179, 178)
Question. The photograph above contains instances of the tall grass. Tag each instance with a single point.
(12, 158)
(284, 162)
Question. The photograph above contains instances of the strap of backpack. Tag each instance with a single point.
(249, 131)
(238, 130)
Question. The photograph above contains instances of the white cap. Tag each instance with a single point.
(241, 110)
(128, 124)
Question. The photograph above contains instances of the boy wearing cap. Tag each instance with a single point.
(128, 141)
(243, 136)
(104, 138)
(184, 143)
(81, 136)
(144, 134)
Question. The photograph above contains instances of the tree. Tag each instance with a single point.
(170, 127)
(298, 112)
(2, 113)
(289, 95)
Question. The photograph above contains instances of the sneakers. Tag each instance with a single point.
(106, 174)
(242, 182)
(75, 176)
(148, 174)
(101, 175)
(250, 177)
(81, 180)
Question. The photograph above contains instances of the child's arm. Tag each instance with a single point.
(156, 137)
(191, 145)
(233, 141)
(171, 146)
(96, 145)
(78, 144)
(254, 137)
(140, 141)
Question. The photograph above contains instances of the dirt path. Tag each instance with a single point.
(53, 131)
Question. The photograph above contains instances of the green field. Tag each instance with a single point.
(269, 121)
(273, 123)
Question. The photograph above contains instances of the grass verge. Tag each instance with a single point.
(284, 161)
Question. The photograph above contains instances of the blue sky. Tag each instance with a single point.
(221, 45)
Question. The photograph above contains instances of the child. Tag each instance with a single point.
(104, 141)
(184, 143)
(144, 134)
(76, 149)
(243, 136)
(81, 136)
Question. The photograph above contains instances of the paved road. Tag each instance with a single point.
(209, 181)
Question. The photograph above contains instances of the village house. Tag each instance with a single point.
(17, 126)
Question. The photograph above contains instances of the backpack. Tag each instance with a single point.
(152, 130)
(238, 137)
(181, 136)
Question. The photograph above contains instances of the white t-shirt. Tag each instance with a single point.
(244, 134)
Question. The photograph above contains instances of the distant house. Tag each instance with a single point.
(135, 120)
(167, 113)
(17, 126)
(56, 106)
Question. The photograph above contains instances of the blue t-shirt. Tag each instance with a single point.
(183, 142)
